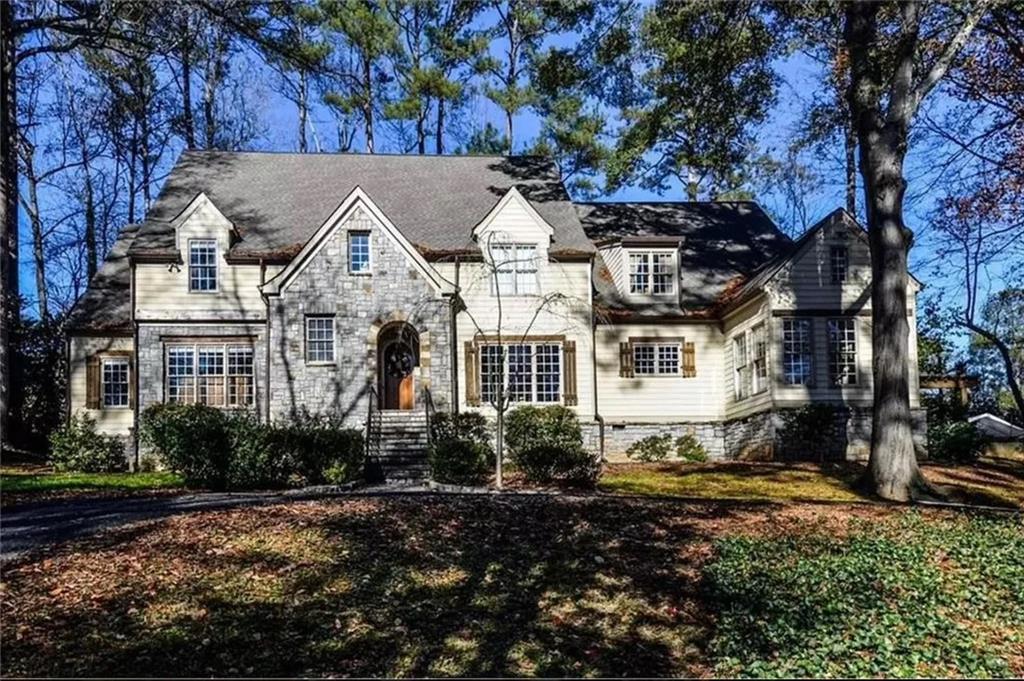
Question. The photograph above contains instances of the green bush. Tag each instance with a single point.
(955, 442)
(651, 448)
(76, 446)
(316, 444)
(529, 426)
(461, 462)
(689, 448)
(193, 440)
(809, 431)
(468, 425)
(561, 463)
(256, 461)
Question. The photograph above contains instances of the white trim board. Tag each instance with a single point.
(512, 195)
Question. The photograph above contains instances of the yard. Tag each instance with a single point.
(532, 585)
(36, 482)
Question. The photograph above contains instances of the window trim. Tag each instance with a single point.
(833, 251)
(855, 338)
(223, 346)
(369, 255)
(809, 322)
(758, 384)
(334, 340)
(533, 271)
(657, 344)
(216, 265)
(649, 253)
(115, 359)
(738, 379)
(534, 343)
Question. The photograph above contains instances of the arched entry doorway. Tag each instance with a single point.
(398, 353)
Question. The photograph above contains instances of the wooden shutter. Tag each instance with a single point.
(569, 360)
(472, 375)
(131, 382)
(689, 361)
(92, 382)
(626, 360)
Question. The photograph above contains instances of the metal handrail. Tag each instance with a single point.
(431, 411)
(373, 427)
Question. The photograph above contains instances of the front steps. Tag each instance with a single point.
(402, 445)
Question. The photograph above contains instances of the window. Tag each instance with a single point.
(202, 265)
(320, 339)
(114, 379)
(359, 252)
(741, 366)
(759, 345)
(797, 363)
(220, 375)
(655, 359)
(533, 371)
(651, 273)
(515, 269)
(838, 257)
(842, 355)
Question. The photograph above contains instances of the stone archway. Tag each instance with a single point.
(398, 354)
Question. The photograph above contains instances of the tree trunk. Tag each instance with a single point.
(1007, 357)
(8, 205)
(368, 104)
(850, 144)
(439, 134)
(214, 75)
(31, 204)
(186, 83)
(303, 104)
(508, 130)
(92, 257)
(892, 466)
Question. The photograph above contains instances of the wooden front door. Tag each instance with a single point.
(397, 365)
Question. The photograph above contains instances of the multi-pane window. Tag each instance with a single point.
(842, 355)
(797, 362)
(655, 359)
(515, 269)
(114, 380)
(359, 252)
(741, 366)
(531, 372)
(838, 260)
(202, 265)
(651, 273)
(219, 375)
(320, 339)
(759, 361)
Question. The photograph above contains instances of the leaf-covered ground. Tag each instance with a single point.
(36, 483)
(417, 585)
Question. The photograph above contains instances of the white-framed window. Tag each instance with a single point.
(320, 339)
(652, 273)
(216, 374)
(202, 265)
(838, 262)
(515, 269)
(741, 366)
(359, 253)
(842, 351)
(797, 360)
(656, 359)
(533, 372)
(114, 382)
(759, 359)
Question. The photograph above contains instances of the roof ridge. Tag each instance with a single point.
(390, 154)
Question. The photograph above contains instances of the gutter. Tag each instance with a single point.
(266, 362)
(453, 332)
(135, 368)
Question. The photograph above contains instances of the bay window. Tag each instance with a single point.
(842, 351)
(797, 361)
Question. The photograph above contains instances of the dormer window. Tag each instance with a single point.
(202, 265)
(651, 273)
(515, 269)
(838, 259)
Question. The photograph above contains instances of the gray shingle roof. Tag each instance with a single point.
(723, 243)
(106, 304)
(278, 200)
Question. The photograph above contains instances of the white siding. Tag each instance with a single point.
(807, 281)
(660, 399)
(741, 321)
(109, 421)
(615, 261)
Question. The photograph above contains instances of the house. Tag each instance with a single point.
(997, 429)
(374, 286)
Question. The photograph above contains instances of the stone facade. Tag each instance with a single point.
(363, 305)
(618, 437)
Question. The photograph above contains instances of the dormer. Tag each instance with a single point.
(513, 220)
(202, 236)
(650, 270)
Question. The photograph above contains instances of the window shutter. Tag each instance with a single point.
(131, 382)
(569, 359)
(92, 382)
(689, 360)
(625, 360)
(472, 375)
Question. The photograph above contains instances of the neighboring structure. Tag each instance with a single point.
(350, 283)
(997, 429)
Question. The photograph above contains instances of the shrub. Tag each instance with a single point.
(315, 444)
(552, 426)
(461, 462)
(689, 448)
(651, 448)
(76, 446)
(955, 442)
(192, 439)
(256, 462)
(560, 463)
(471, 426)
(808, 432)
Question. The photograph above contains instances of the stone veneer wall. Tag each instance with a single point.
(362, 305)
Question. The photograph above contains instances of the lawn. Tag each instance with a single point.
(525, 585)
(36, 482)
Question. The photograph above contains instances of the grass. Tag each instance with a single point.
(27, 481)
(527, 585)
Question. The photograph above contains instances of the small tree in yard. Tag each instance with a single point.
(502, 259)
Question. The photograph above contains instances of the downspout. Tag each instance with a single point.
(136, 371)
(453, 332)
(266, 362)
(593, 364)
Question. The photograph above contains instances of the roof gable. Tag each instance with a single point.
(512, 196)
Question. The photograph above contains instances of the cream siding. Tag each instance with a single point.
(660, 399)
(613, 258)
(740, 322)
(117, 421)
